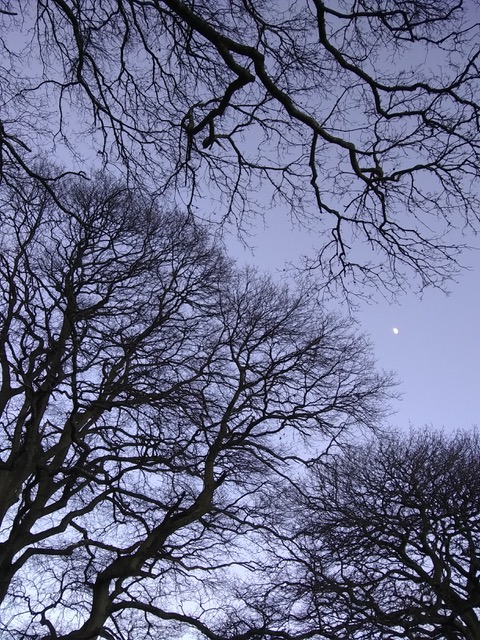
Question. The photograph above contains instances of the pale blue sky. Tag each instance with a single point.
(436, 353)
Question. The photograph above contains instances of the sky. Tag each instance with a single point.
(436, 353)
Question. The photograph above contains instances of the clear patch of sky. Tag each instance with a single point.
(436, 353)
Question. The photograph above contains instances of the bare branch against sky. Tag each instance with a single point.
(150, 395)
(361, 118)
(387, 536)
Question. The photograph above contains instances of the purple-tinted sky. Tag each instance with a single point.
(436, 353)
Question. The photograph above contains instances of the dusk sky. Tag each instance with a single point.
(436, 353)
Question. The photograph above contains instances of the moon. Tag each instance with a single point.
(395, 330)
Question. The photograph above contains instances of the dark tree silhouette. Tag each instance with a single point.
(384, 542)
(361, 116)
(150, 395)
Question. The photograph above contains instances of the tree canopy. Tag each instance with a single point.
(360, 117)
(150, 395)
(383, 541)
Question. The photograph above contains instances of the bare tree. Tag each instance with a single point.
(150, 394)
(361, 116)
(385, 542)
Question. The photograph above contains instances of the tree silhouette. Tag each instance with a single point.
(384, 542)
(150, 393)
(360, 117)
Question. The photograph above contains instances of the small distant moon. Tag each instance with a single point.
(395, 330)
